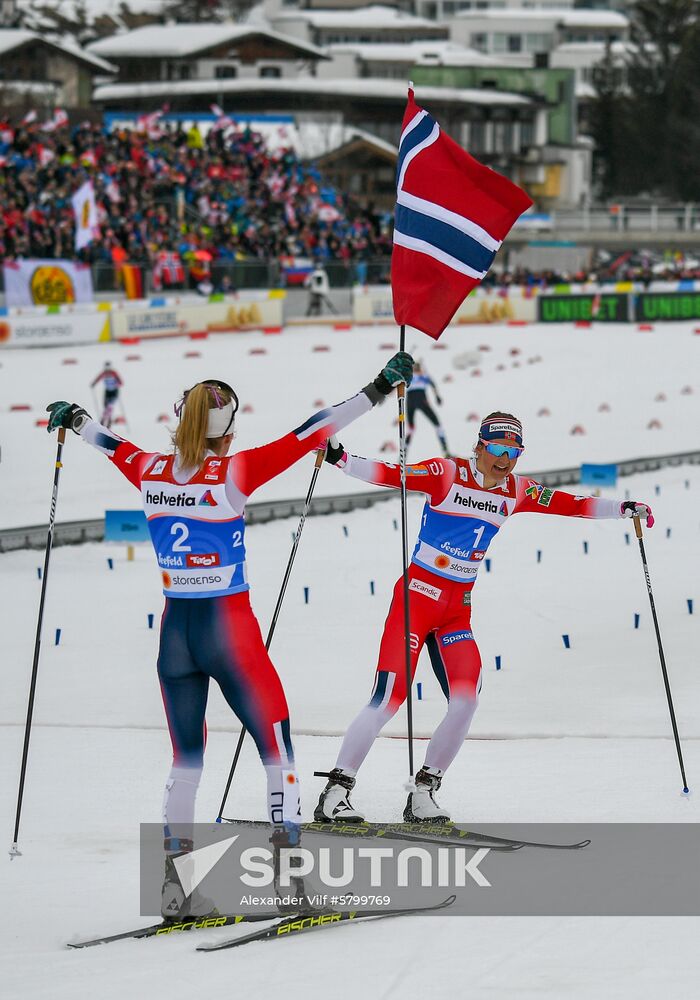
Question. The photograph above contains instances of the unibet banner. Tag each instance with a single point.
(46, 282)
(667, 305)
(606, 308)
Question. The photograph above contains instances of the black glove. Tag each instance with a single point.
(397, 369)
(68, 415)
(334, 451)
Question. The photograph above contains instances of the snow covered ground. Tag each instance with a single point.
(579, 370)
(578, 735)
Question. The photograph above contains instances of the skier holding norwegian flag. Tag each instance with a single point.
(442, 249)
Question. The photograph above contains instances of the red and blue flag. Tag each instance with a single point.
(452, 214)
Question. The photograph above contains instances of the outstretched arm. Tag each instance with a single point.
(251, 469)
(535, 498)
(128, 458)
(432, 477)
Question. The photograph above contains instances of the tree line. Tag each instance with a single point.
(645, 118)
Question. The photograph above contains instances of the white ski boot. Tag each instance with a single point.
(334, 804)
(421, 806)
(175, 905)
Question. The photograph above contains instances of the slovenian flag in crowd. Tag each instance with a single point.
(452, 214)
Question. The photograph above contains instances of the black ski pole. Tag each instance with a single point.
(638, 532)
(320, 454)
(14, 850)
(401, 394)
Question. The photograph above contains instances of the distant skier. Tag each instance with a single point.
(468, 500)
(417, 400)
(194, 501)
(112, 385)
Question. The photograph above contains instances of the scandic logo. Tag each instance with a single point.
(475, 504)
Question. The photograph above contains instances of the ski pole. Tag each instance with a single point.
(320, 454)
(14, 850)
(401, 394)
(638, 532)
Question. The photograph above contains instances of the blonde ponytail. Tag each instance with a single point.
(190, 438)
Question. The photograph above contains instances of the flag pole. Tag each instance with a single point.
(401, 395)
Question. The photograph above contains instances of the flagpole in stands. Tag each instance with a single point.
(401, 394)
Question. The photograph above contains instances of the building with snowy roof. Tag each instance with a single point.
(61, 72)
(375, 23)
(206, 51)
(395, 61)
(524, 36)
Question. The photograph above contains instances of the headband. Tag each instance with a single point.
(502, 427)
(221, 414)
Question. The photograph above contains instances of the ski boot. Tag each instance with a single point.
(421, 806)
(334, 804)
(175, 904)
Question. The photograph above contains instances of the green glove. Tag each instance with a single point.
(398, 369)
(68, 415)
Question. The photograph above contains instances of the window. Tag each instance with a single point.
(507, 43)
(225, 72)
(477, 137)
(270, 72)
(480, 42)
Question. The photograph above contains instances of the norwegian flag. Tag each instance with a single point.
(149, 123)
(168, 270)
(59, 120)
(452, 214)
(222, 119)
(44, 154)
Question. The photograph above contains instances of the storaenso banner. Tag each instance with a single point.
(667, 305)
(609, 308)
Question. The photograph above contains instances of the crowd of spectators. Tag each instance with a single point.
(227, 194)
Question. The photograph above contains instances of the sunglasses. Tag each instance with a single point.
(213, 384)
(502, 449)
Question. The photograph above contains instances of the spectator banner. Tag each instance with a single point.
(372, 304)
(52, 327)
(85, 211)
(671, 305)
(166, 317)
(46, 282)
(601, 308)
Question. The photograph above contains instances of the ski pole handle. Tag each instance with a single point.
(637, 525)
(320, 455)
